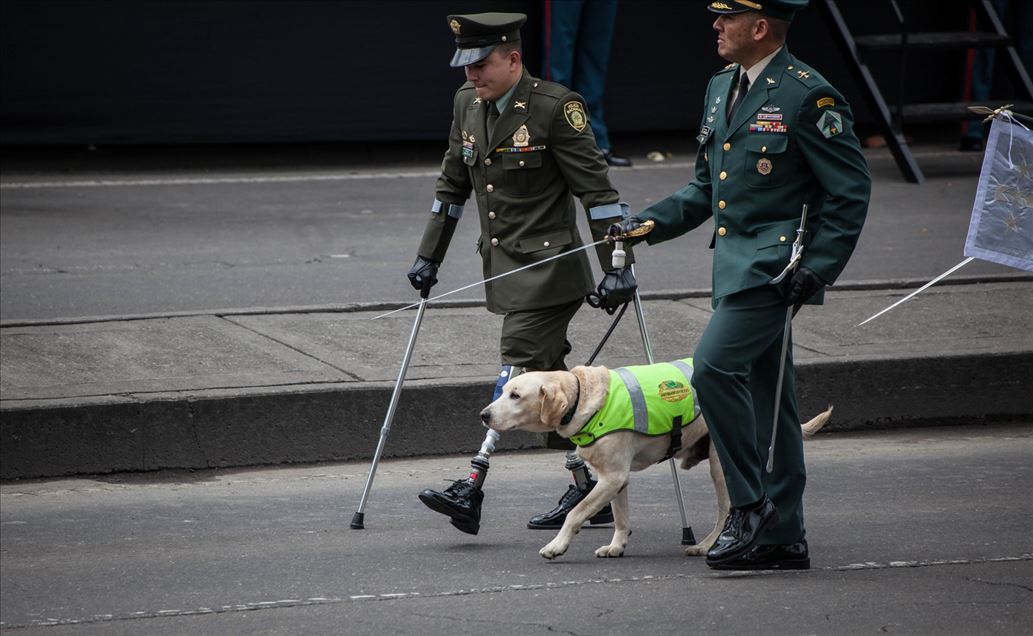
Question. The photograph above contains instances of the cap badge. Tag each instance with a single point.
(521, 137)
(575, 115)
(455, 26)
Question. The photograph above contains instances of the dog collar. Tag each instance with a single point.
(569, 415)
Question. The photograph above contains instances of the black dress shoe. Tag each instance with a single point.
(792, 556)
(461, 501)
(554, 518)
(614, 160)
(742, 531)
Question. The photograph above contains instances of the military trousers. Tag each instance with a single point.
(537, 341)
(735, 372)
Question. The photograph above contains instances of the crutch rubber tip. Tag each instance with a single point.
(357, 519)
(687, 538)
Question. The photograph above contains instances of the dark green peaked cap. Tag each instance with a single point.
(781, 9)
(478, 34)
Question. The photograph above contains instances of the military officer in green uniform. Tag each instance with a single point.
(774, 137)
(523, 147)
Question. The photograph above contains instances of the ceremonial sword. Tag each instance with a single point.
(794, 261)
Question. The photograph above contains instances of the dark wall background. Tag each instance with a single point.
(258, 71)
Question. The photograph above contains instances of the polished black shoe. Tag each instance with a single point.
(461, 501)
(615, 160)
(742, 531)
(554, 518)
(792, 556)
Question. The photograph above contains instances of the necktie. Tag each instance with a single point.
(744, 87)
(493, 116)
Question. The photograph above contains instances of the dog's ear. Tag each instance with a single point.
(554, 404)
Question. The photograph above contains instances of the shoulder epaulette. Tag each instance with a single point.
(549, 88)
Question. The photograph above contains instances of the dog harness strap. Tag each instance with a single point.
(675, 445)
(638, 400)
(686, 370)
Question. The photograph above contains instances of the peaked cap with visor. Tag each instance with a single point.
(478, 34)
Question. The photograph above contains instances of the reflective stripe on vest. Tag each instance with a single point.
(644, 399)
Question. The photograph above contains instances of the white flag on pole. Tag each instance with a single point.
(1001, 229)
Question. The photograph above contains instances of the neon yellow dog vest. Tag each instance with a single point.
(645, 399)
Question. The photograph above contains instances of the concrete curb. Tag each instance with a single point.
(333, 422)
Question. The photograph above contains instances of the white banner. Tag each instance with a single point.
(1001, 229)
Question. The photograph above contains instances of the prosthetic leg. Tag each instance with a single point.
(462, 500)
(583, 484)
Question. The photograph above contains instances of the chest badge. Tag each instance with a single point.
(521, 137)
(764, 166)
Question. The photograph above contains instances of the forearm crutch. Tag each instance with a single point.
(687, 538)
(359, 516)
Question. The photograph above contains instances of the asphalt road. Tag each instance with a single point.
(141, 241)
(923, 531)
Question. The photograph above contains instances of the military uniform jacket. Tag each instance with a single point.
(542, 152)
(790, 142)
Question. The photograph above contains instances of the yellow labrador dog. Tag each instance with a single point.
(565, 401)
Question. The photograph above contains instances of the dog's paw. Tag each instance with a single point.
(696, 550)
(610, 551)
(553, 550)
(701, 548)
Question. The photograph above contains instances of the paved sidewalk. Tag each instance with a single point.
(194, 391)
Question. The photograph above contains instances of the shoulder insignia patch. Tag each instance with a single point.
(826, 101)
(575, 114)
(830, 124)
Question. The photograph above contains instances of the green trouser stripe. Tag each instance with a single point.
(638, 400)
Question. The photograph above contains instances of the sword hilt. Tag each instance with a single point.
(797, 254)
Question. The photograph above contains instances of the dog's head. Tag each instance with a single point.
(534, 401)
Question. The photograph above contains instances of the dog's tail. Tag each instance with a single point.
(812, 427)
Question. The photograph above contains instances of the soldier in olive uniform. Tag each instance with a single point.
(522, 146)
(775, 136)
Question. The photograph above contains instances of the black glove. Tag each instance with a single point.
(423, 274)
(803, 284)
(618, 287)
(628, 224)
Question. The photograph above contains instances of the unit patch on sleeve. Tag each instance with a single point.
(830, 124)
(575, 115)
